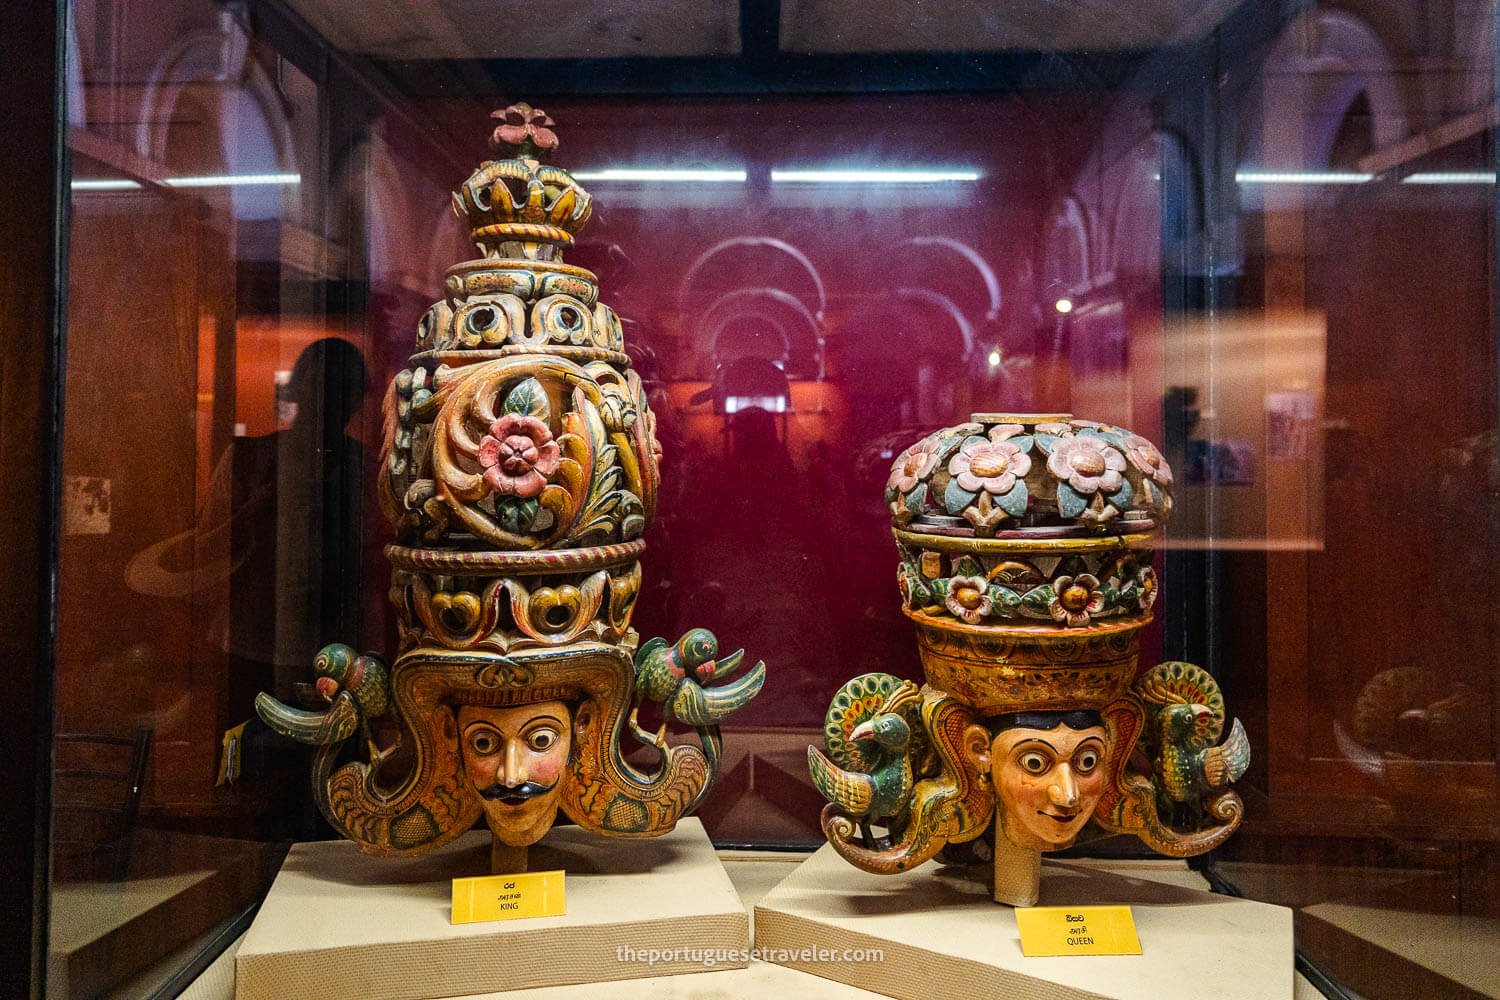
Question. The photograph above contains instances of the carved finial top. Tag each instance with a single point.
(523, 132)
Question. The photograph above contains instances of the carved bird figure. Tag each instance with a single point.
(883, 791)
(356, 688)
(1189, 770)
(1190, 764)
(679, 677)
(867, 773)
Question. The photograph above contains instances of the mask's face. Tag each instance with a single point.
(1048, 781)
(515, 758)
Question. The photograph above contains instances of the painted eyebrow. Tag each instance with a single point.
(544, 718)
(1035, 739)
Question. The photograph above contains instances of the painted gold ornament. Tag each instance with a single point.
(520, 468)
(1026, 567)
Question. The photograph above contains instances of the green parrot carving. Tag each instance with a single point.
(867, 773)
(882, 792)
(357, 688)
(679, 677)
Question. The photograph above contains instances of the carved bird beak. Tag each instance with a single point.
(327, 687)
(724, 667)
(864, 731)
(728, 665)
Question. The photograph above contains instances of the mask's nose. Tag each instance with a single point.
(512, 764)
(1064, 791)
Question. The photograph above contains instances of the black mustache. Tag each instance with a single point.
(525, 790)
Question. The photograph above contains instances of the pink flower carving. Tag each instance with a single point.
(967, 598)
(1077, 598)
(991, 466)
(1087, 463)
(911, 465)
(1144, 456)
(517, 455)
(521, 122)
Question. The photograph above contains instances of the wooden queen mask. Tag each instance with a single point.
(1026, 566)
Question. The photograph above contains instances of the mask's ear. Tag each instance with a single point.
(976, 744)
(583, 719)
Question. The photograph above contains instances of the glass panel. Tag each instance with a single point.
(1262, 235)
(217, 417)
(1365, 163)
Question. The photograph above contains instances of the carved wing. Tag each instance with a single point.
(698, 705)
(852, 792)
(1227, 762)
(647, 648)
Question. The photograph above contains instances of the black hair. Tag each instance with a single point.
(1076, 719)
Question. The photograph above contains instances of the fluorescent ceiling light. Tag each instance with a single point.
(650, 174)
(1301, 177)
(105, 184)
(1451, 177)
(231, 180)
(207, 180)
(872, 176)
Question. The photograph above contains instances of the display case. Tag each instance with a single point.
(1260, 235)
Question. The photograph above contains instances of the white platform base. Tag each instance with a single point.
(341, 925)
(939, 934)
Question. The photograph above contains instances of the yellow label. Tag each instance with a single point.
(508, 897)
(229, 760)
(1077, 930)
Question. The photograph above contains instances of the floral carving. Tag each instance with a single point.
(991, 466)
(520, 123)
(518, 455)
(1144, 456)
(1076, 598)
(1087, 464)
(968, 598)
(912, 465)
(1008, 472)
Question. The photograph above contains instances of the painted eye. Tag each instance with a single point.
(484, 742)
(1086, 761)
(1033, 763)
(542, 739)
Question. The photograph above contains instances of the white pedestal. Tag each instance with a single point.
(939, 934)
(341, 925)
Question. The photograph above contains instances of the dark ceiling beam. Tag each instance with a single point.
(760, 31)
(788, 74)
